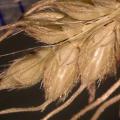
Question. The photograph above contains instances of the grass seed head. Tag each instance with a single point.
(86, 40)
(56, 25)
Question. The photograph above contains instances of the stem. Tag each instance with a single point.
(5, 35)
(97, 102)
(11, 26)
(104, 106)
(29, 109)
(66, 104)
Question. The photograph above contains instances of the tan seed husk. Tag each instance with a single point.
(54, 35)
(61, 73)
(25, 72)
(97, 56)
(82, 11)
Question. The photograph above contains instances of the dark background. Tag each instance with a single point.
(35, 96)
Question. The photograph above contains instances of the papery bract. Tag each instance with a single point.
(62, 72)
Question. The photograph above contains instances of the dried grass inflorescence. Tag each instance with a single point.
(85, 40)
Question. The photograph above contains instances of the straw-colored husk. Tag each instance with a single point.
(82, 11)
(98, 55)
(56, 25)
(61, 73)
(25, 72)
(53, 33)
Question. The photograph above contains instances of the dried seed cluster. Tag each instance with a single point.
(86, 39)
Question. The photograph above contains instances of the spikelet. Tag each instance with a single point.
(40, 27)
(83, 11)
(97, 57)
(25, 72)
(54, 33)
(46, 35)
(56, 25)
(51, 26)
(62, 72)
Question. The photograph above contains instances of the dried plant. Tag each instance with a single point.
(83, 46)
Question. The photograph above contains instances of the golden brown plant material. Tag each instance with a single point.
(83, 45)
(97, 56)
(61, 72)
(25, 72)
